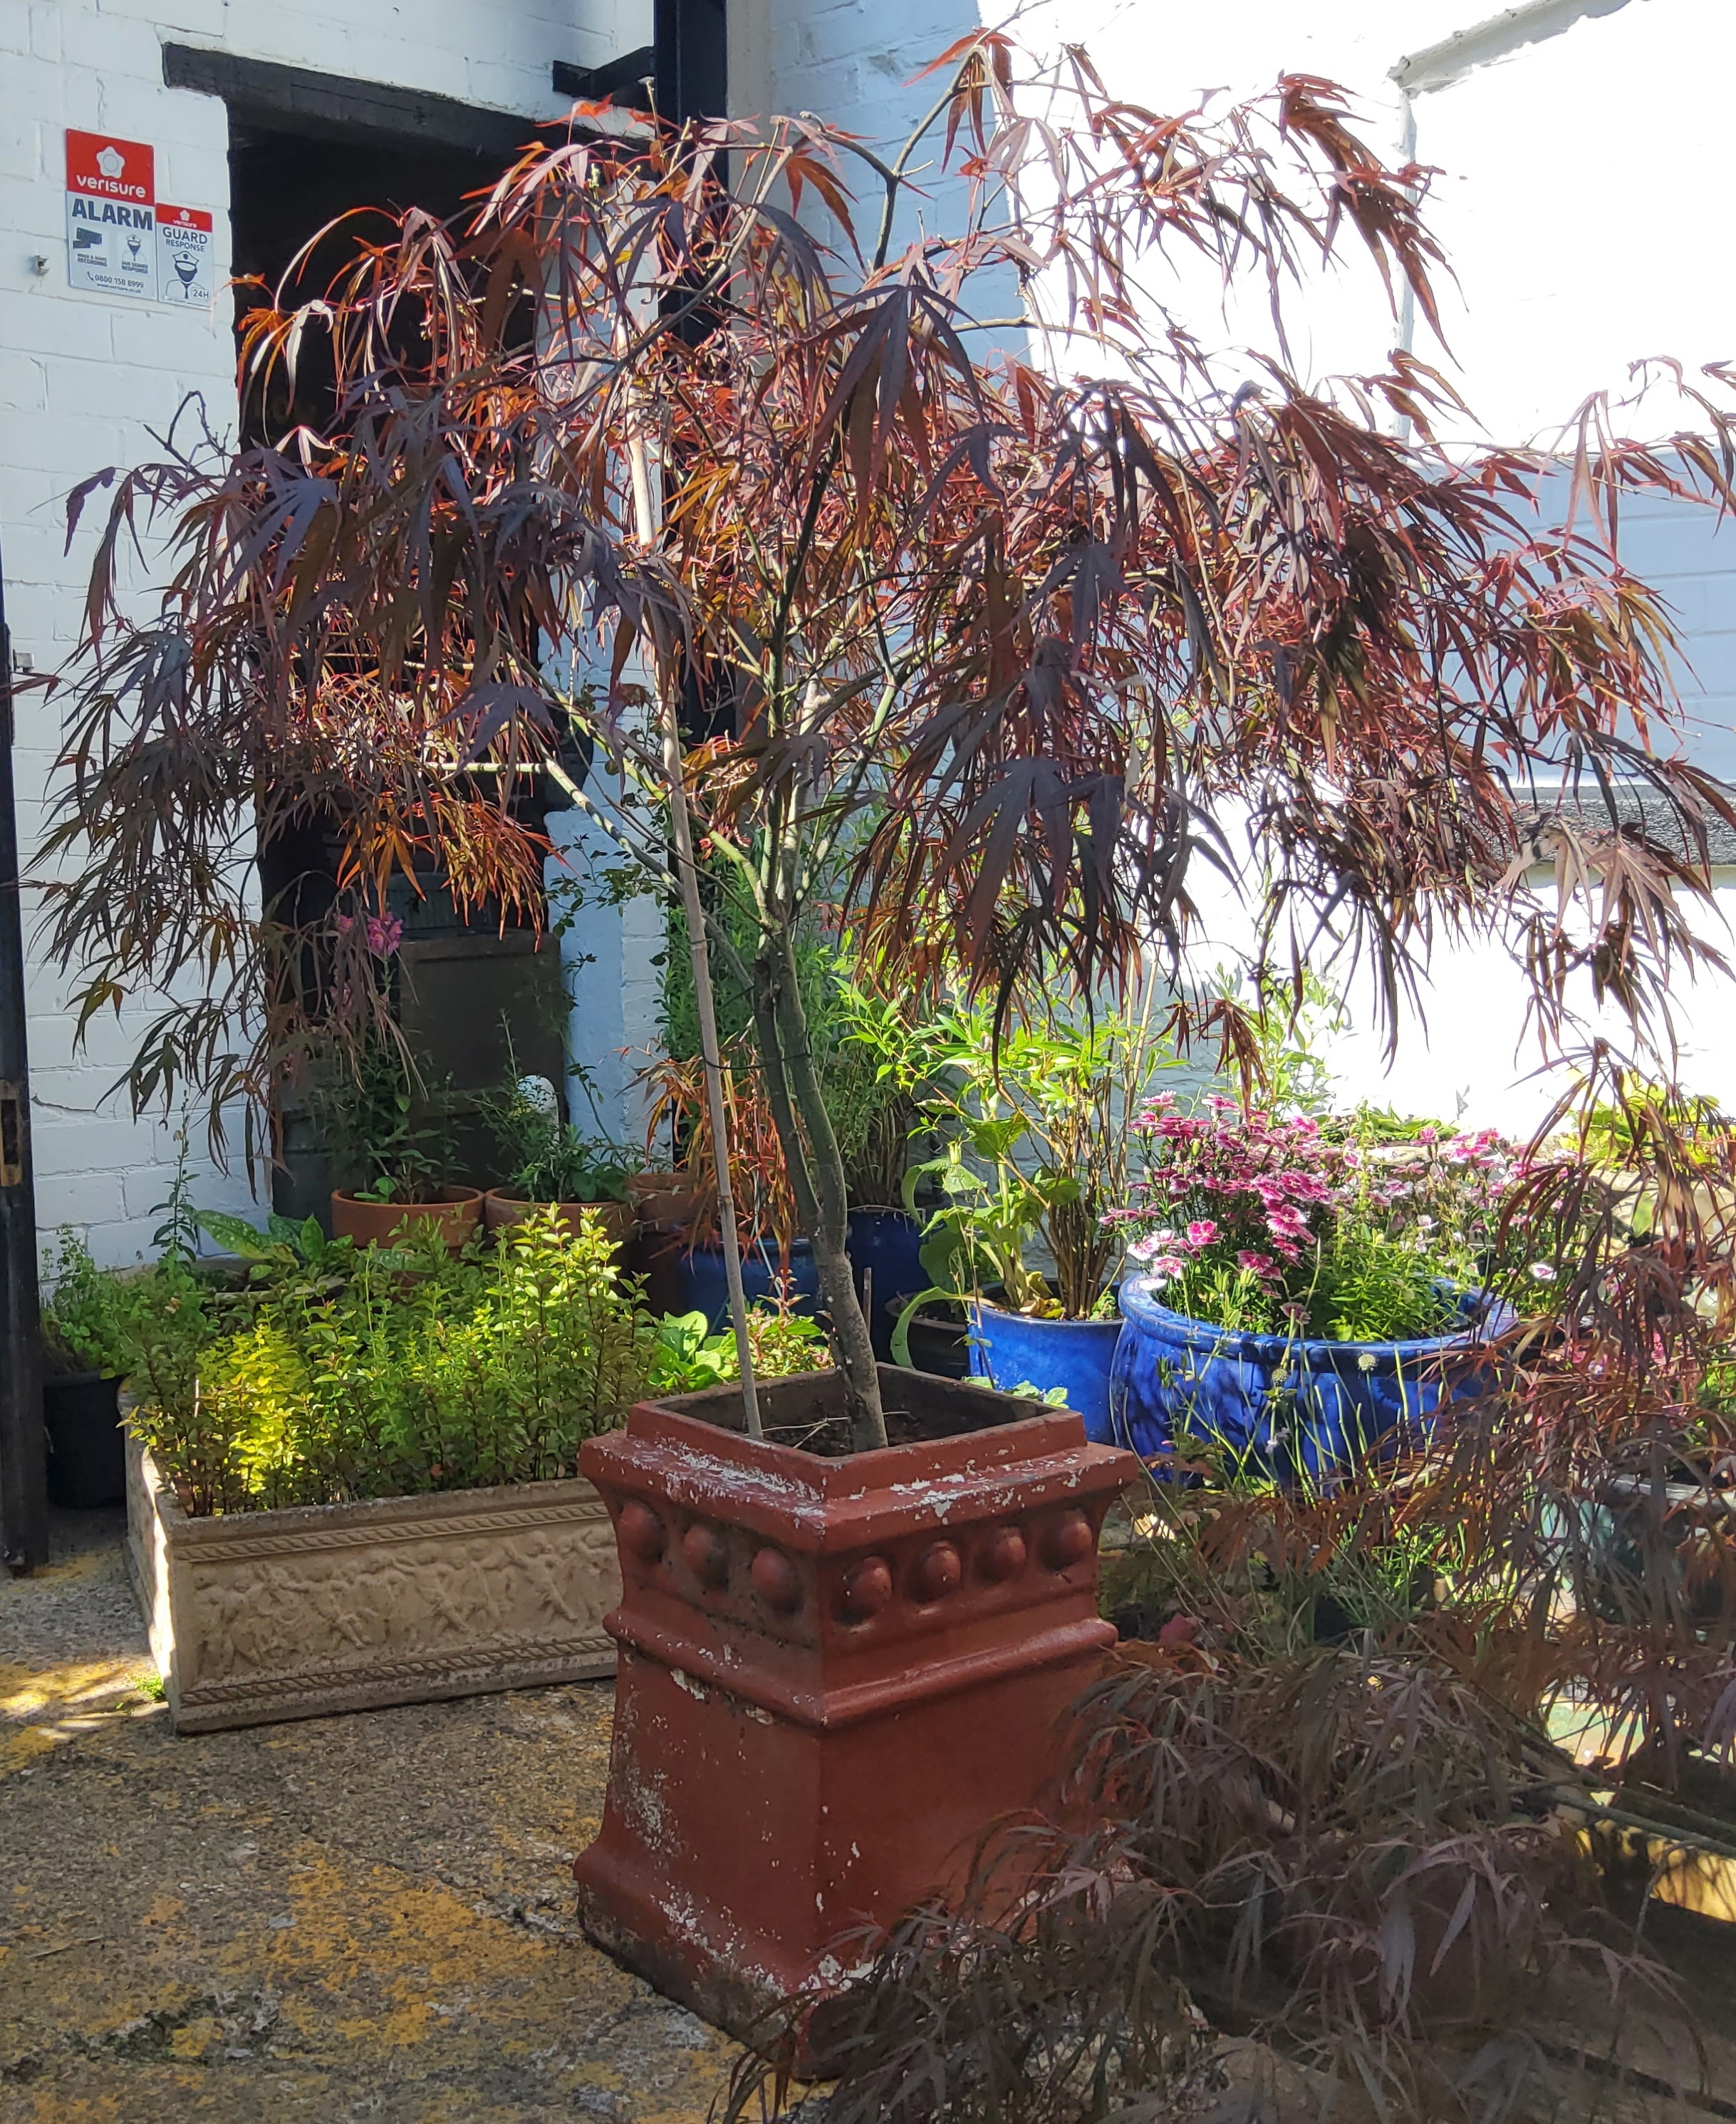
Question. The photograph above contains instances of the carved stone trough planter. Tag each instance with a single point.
(835, 1673)
(261, 1616)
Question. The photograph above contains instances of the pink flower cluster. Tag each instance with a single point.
(1229, 1184)
(384, 932)
(1248, 1183)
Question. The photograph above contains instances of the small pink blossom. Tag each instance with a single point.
(1256, 1263)
(385, 933)
(1202, 1232)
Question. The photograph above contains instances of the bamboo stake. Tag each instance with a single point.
(644, 510)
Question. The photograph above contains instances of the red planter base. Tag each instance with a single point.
(836, 1674)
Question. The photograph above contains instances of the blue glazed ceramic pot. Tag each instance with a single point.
(1010, 1350)
(1298, 1410)
(705, 1288)
(883, 1246)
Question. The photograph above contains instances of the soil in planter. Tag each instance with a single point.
(806, 1412)
(830, 1438)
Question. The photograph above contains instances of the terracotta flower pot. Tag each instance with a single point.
(835, 1673)
(663, 1203)
(500, 1209)
(372, 1224)
(662, 1198)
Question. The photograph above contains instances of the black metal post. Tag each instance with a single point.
(23, 1461)
(691, 48)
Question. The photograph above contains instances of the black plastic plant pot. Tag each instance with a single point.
(86, 1448)
(937, 1344)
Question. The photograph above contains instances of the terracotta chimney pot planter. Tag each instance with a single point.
(835, 1673)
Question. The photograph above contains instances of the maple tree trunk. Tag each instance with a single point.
(816, 1168)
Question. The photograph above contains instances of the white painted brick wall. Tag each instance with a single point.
(83, 379)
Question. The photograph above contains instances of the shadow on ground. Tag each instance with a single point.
(367, 1916)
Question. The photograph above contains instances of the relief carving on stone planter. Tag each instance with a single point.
(290, 1612)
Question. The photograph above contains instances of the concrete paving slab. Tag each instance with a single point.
(367, 1916)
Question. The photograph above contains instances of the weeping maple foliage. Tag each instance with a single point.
(997, 608)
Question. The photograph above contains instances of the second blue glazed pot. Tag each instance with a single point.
(1010, 1350)
(705, 1288)
(883, 1246)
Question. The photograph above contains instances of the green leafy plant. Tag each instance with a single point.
(397, 1151)
(689, 1356)
(178, 1233)
(82, 1308)
(1283, 1031)
(168, 1318)
(283, 1245)
(1037, 1120)
(341, 1372)
(408, 1371)
(1026, 1390)
(548, 1160)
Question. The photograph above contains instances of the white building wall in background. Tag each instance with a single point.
(85, 377)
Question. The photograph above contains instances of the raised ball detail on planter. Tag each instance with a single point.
(777, 1581)
(866, 1589)
(1003, 1554)
(1067, 1541)
(938, 1571)
(706, 1552)
(642, 1532)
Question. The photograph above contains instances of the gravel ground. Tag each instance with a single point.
(358, 1917)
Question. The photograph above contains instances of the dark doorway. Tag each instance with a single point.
(306, 149)
(286, 187)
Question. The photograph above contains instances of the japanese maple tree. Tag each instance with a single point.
(978, 652)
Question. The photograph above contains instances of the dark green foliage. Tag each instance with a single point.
(548, 1160)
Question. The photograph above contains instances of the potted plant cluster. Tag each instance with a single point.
(985, 653)
(401, 1156)
(1037, 1123)
(551, 1164)
(1306, 1290)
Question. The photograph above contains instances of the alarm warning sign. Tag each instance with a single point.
(183, 254)
(110, 215)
